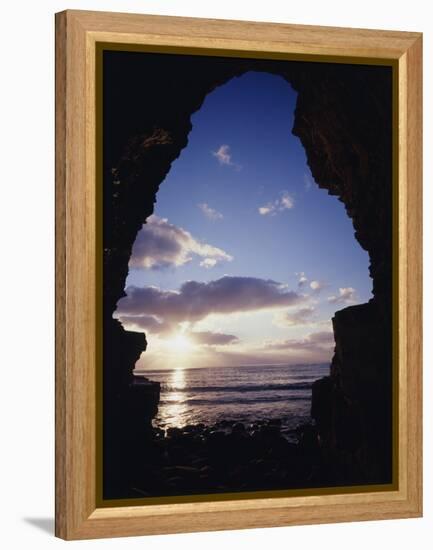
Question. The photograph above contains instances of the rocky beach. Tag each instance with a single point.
(231, 457)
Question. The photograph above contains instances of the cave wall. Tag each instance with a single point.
(343, 119)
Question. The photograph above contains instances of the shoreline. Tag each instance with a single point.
(287, 430)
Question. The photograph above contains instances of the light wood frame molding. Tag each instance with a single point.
(77, 33)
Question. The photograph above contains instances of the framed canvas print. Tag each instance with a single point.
(238, 274)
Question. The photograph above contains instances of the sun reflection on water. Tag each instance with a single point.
(178, 379)
(175, 409)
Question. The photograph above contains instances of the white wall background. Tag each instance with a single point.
(27, 271)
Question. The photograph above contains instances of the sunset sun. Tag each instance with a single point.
(179, 343)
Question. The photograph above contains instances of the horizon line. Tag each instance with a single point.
(139, 372)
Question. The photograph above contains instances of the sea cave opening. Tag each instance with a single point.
(247, 189)
(236, 275)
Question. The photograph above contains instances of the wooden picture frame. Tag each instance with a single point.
(78, 33)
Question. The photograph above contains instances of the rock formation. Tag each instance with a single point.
(343, 119)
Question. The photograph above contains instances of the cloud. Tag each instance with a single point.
(208, 263)
(345, 296)
(317, 285)
(224, 156)
(209, 212)
(315, 342)
(264, 210)
(315, 348)
(303, 316)
(285, 202)
(323, 338)
(195, 301)
(302, 279)
(156, 326)
(212, 338)
(160, 244)
(144, 322)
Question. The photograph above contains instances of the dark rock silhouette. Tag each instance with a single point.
(223, 458)
(343, 119)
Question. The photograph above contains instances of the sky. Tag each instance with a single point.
(245, 260)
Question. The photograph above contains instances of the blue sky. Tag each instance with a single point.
(240, 206)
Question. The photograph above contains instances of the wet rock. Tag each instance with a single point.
(224, 424)
(216, 437)
(279, 448)
(269, 432)
(308, 438)
(174, 433)
(238, 428)
(275, 422)
(158, 432)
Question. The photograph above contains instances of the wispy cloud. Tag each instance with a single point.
(345, 295)
(161, 244)
(317, 286)
(224, 156)
(313, 342)
(285, 202)
(208, 338)
(302, 279)
(208, 263)
(209, 212)
(156, 326)
(145, 322)
(302, 316)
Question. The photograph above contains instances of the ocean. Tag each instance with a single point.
(248, 394)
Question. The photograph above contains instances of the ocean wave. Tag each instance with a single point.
(237, 401)
(239, 388)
